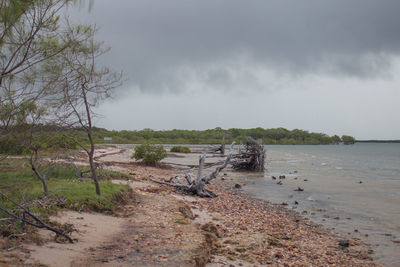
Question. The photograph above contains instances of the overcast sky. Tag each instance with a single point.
(318, 65)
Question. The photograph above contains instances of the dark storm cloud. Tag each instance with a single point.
(153, 41)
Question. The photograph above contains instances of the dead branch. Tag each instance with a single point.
(250, 158)
(197, 185)
(31, 219)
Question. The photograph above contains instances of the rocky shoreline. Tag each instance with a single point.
(164, 227)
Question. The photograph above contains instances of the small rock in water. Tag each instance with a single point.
(305, 180)
(238, 186)
(273, 177)
(299, 189)
(344, 243)
(361, 182)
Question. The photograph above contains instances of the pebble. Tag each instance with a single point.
(344, 243)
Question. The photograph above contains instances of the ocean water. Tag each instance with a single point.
(353, 190)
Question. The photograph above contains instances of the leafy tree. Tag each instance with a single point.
(336, 139)
(348, 140)
(149, 153)
(81, 84)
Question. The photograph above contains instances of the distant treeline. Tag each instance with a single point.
(49, 136)
(215, 136)
(378, 141)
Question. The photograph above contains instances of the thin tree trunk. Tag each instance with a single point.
(92, 148)
(92, 164)
(42, 178)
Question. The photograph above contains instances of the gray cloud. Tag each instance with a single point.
(320, 65)
(152, 40)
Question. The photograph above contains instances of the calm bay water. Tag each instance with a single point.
(354, 190)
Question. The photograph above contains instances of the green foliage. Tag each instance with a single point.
(16, 181)
(214, 136)
(336, 139)
(181, 149)
(348, 140)
(149, 153)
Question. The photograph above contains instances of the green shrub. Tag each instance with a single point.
(180, 149)
(149, 153)
(348, 140)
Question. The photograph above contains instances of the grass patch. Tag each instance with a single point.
(66, 191)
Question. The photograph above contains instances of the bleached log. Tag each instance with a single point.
(197, 186)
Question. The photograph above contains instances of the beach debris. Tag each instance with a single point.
(344, 243)
(196, 185)
(299, 189)
(251, 157)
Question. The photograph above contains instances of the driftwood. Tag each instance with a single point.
(197, 185)
(250, 158)
(31, 219)
(217, 149)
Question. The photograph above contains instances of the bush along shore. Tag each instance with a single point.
(155, 225)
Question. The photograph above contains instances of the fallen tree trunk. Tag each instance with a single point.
(197, 185)
(251, 158)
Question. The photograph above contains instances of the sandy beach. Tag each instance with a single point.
(165, 227)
